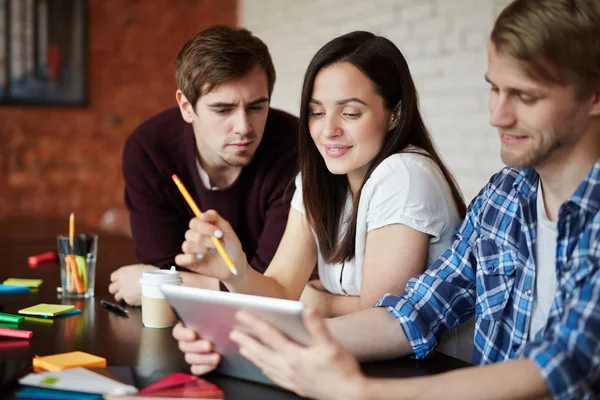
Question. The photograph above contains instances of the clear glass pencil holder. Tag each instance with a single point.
(78, 265)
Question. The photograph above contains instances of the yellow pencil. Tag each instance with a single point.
(197, 212)
(71, 230)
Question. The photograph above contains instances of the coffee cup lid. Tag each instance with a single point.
(161, 277)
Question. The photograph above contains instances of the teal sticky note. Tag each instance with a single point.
(65, 314)
(6, 289)
(43, 393)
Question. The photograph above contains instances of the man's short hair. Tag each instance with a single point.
(219, 54)
(555, 40)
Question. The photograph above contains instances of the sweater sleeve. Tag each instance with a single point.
(280, 189)
(157, 228)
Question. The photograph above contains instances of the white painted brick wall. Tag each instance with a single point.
(444, 41)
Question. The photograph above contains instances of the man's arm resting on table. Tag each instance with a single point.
(125, 282)
(512, 380)
(386, 341)
(518, 379)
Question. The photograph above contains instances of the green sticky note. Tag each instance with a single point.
(32, 283)
(47, 309)
(51, 380)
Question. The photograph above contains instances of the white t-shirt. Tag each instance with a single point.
(204, 176)
(545, 267)
(406, 188)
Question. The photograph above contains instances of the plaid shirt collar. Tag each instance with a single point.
(586, 196)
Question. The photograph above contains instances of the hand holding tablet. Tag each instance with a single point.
(211, 315)
(199, 352)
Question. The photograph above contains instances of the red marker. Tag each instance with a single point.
(49, 256)
(16, 333)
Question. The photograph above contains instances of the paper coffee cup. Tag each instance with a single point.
(156, 312)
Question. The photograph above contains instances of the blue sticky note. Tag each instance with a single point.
(6, 289)
(65, 314)
(51, 394)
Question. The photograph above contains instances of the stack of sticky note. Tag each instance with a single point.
(18, 285)
(73, 359)
(45, 310)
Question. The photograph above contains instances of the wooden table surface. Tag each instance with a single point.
(152, 353)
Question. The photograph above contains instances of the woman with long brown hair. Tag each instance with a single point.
(374, 204)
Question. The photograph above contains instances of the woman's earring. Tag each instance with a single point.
(392, 122)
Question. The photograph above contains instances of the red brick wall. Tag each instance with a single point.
(57, 160)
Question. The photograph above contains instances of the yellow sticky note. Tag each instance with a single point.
(47, 309)
(32, 283)
(73, 359)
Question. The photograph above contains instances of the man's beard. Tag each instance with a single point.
(533, 157)
(239, 159)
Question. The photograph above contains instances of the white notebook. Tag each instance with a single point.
(78, 379)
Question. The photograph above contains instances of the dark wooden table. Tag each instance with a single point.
(152, 353)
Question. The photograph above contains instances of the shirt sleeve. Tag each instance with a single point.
(443, 297)
(157, 229)
(406, 189)
(297, 202)
(568, 352)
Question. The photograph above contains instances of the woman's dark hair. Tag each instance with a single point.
(324, 193)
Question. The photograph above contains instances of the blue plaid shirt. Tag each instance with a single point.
(489, 270)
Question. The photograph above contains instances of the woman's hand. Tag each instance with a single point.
(199, 252)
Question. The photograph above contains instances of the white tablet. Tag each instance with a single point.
(211, 314)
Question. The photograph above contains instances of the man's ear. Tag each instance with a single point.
(185, 107)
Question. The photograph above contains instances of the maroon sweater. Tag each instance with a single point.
(256, 204)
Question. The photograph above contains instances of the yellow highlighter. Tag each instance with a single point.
(197, 212)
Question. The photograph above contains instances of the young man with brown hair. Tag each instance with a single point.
(233, 153)
(525, 261)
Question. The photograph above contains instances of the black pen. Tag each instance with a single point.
(114, 308)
